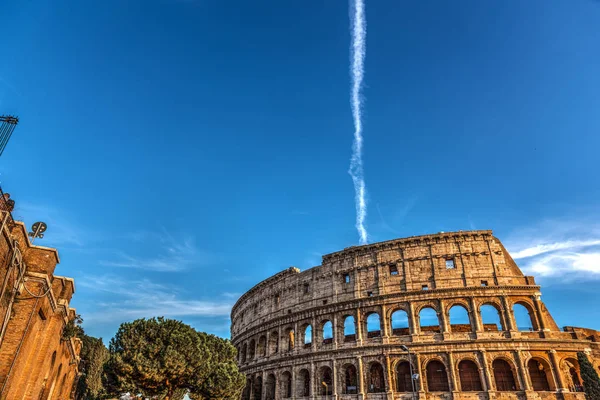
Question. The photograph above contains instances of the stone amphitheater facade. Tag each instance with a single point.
(369, 318)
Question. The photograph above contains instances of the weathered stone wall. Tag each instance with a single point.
(468, 269)
(35, 361)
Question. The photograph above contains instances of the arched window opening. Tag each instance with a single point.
(286, 385)
(262, 346)
(291, 338)
(303, 383)
(257, 389)
(349, 329)
(243, 353)
(523, 318)
(470, 380)
(375, 379)
(503, 376)
(62, 385)
(325, 381)
(428, 321)
(270, 387)
(327, 332)
(538, 375)
(403, 377)
(437, 379)
(459, 319)
(400, 323)
(490, 318)
(307, 336)
(251, 350)
(247, 389)
(53, 360)
(350, 380)
(273, 342)
(373, 325)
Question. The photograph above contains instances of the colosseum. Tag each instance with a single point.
(440, 316)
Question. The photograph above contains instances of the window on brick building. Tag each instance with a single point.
(370, 294)
(306, 288)
(450, 264)
(425, 287)
(393, 269)
(41, 314)
(484, 283)
(277, 298)
(346, 278)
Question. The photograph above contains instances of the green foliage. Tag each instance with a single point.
(73, 328)
(591, 382)
(165, 358)
(93, 357)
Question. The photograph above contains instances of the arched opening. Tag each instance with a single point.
(349, 329)
(470, 380)
(459, 319)
(400, 323)
(375, 378)
(524, 317)
(251, 349)
(373, 325)
(307, 336)
(257, 389)
(327, 332)
(325, 381)
(539, 375)
(247, 389)
(490, 318)
(303, 383)
(290, 336)
(243, 353)
(270, 387)
(274, 342)
(437, 379)
(503, 376)
(262, 346)
(403, 377)
(285, 387)
(350, 380)
(54, 383)
(573, 374)
(428, 321)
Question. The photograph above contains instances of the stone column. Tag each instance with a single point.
(558, 378)
(524, 372)
(279, 350)
(510, 323)
(313, 381)
(360, 379)
(267, 354)
(475, 316)
(443, 318)
(263, 389)
(293, 383)
(313, 334)
(452, 373)
(358, 328)
(413, 323)
(335, 378)
(419, 370)
(490, 384)
(538, 311)
(385, 332)
(334, 330)
(388, 377)
(296, 338)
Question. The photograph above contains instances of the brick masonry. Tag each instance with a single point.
(282, 358)
(35, 362)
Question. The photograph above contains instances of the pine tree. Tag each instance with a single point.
(591, 382)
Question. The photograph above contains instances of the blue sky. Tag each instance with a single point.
(182, 151)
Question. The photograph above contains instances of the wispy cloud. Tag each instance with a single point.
(568, 250)
(169, 253)
(144, 298)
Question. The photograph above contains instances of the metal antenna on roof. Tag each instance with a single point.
(7, 126)
(38, 230)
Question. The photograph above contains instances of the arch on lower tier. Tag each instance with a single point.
(505, 375)
(285, 385)
(540, 375)
(303, 383)
(325, 381)
(270, 387)
(257, 388)
(375, 378)
(350, 379)
(403, 377)
(469, 377)
(437, 376)
(572, 374)
(247, 389)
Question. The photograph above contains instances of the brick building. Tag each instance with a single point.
(344, 329)
(36, 361)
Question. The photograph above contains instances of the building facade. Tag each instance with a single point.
(37, 361)
(369, 318)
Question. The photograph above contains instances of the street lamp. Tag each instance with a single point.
(412, 376)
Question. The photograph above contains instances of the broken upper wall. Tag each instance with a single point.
(438, 261)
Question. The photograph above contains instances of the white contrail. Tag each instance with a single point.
(359, 33)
